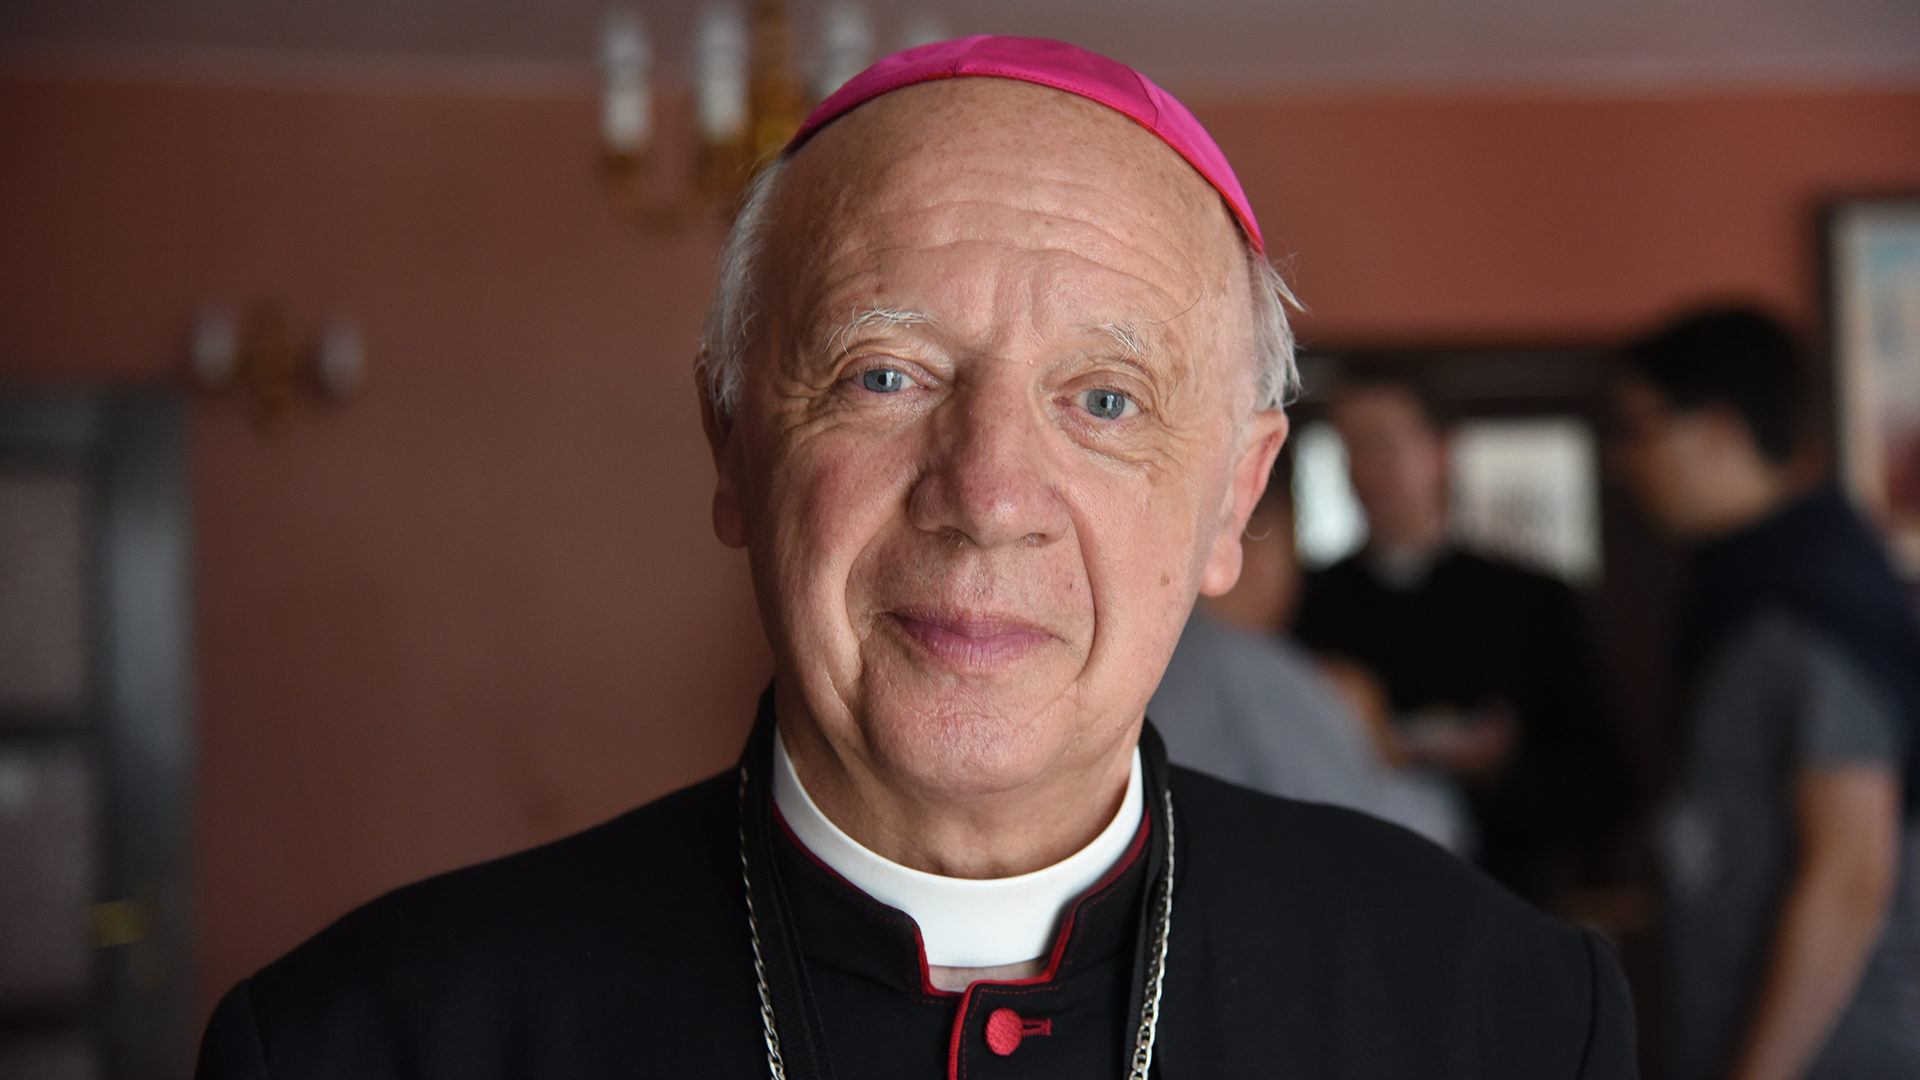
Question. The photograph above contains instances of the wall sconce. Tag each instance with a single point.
(745, 100)
(260, 356)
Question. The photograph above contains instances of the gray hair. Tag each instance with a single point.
(728, 333)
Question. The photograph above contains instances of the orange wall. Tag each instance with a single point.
(480, 606)
(1473, 219)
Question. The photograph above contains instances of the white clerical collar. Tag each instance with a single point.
(964, 923)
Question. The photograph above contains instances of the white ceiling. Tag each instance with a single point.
(1199, 44)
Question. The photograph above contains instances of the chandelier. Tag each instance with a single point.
(744, 97)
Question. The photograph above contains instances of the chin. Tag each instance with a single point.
(959, 744)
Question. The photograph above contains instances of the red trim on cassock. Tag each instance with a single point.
(1126, 861)
(1053, 960)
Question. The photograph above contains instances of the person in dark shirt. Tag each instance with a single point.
(1486, 665)
(1251, 706)
(1788, 841)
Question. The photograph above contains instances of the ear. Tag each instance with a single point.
(729, 521)
(1261, 446)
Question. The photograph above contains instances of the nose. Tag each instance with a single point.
(988, 480)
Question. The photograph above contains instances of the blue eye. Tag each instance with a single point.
(884, 380)
(1107, 404)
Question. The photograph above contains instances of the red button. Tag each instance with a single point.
(1005, 1029)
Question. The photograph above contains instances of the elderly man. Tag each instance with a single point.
(992, 384)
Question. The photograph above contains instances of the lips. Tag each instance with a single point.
(972, 642)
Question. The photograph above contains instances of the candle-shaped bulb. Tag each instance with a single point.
(626, 64)
(723, 68)
(846, 47)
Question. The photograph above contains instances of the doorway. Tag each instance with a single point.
(96, 740)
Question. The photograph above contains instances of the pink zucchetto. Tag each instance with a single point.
(1063, 67)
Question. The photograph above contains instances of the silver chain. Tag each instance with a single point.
(775, 1067)
(1156, 959)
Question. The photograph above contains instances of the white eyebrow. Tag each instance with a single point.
(865, 317)
(1132, 343)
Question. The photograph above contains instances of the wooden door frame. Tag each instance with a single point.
(131, 446)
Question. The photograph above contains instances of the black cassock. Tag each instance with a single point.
(1305, 941)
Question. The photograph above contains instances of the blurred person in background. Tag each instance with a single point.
(1242, 701)
(1787, 840)
(1486, 666)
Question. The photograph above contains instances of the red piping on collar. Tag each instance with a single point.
(1126, 861)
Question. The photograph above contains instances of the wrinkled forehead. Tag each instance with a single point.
(977, 158)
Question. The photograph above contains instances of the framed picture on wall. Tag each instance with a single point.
(1874, 266)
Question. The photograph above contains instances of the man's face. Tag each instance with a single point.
(1663, 453)
(996, 432)
(1396, 459)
